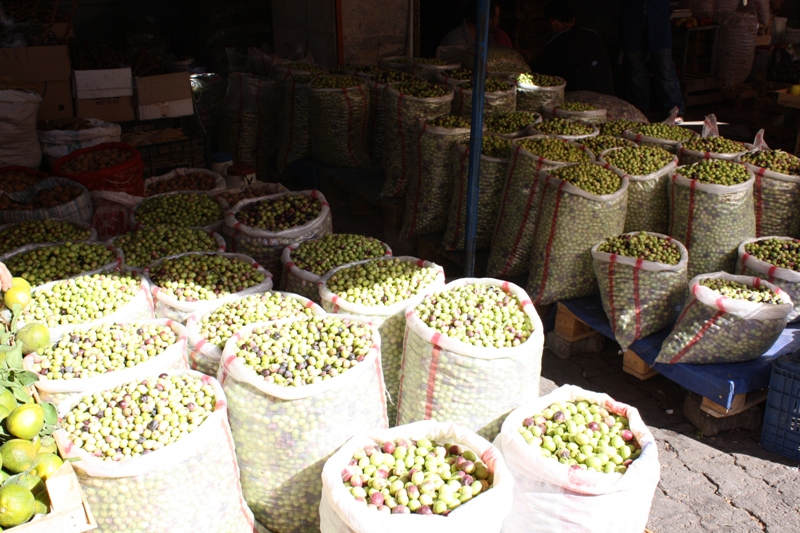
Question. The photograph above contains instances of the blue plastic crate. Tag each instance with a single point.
(781, 432)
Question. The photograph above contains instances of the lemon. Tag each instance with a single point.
(39, 507)
(18, 455)
(4, 412)
(21, 282)
(17, 295)
(46, 465)
(50, 448)
(26, 421)
(16, 505)
(34, 337)
(7, 399)
(42, 499)
(32, 482)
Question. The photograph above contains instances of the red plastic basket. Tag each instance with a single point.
(125, 177)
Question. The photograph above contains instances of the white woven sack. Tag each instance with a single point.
(58, 143)
(550, 496)
(595, 133)
(444, 379)
(284, 435)
(786, 279)
(172, 358)
(595, 116)
(168, 306)
(18, 142)
(219, 181)
(204, 356)
(197, 479)
(341, 513)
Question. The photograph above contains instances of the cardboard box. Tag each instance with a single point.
(788, 100)
(119, 109)
(168, 95)
(46, 67)
(108, 83)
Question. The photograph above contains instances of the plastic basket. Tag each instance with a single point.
(781, 431)
(123, 177)
(161, 158)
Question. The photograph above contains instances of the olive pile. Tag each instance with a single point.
(193, 181)
(539, 80)
(385, 76)
(16, 181)
(506, 123)
(141, 417)
(382, 282)
(95, 160)
(44, 199)
(642, 245)
(495, 146)
(457, 74)
(88, 352)
(197, 277)
(778, 252)
(590, 177)
(179, 209)
(665, 132)
(583, 434)
(59, 261)
(450, 122)
(601, 143)
(617, 127)
(336, 82)
(564, 127)
(493, 85)
(320, 256)
(554, 150)
(714, 145)
(40, 231)
(82, 299)
(579, 107)
(716, 172)
(421, 89)
(280, 214)
(416, 476)
(740, 291)
(480, 315)
(774, 160)
(638, 160)
(150, 243)
(431, 61)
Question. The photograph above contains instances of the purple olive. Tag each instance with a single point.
(388, 447)
(455, 449)
(468, 467)
(468, 480)
(369, 450)
(424, 509)
(627, 462)
(528, 422)
(594, 426)
(401, 509)
(355, 481)
(626, 434)
(347, 473)
(382, 472)
(376, 499)
(559, 417)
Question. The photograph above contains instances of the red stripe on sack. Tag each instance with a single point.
(506, 287)
(771, 273)
(685, 310)
(461, 194)
(707, 155)
(225, 366)
(521, 230)
(759, 197)
(637, 304)
(432, 375)
(205, 379)
(402, 132)
(290, 264)
(638, 137)
(697, 337)
(720, 303)
(691, 214)
(525, 303)
(382, 388)
(550, 240)
(402, 375)
(512, 166)
(256, 266)
(350, 152)
(420, 262)
(199, 345)
(612, 266)
(418, 181)
(309, 304)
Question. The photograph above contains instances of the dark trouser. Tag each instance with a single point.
(668, 88)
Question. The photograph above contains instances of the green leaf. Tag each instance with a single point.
(48, 440)
(5, 383)
(27, 378)
(21, 394)
(16, 310)
(50, 413)
(14, 359)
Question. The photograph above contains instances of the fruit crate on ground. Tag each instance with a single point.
(69, 513)
(781, 431)
(160, 158)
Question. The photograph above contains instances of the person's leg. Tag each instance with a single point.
(668, 86)
(637, 79)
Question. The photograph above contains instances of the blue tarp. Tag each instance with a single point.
(720, 382)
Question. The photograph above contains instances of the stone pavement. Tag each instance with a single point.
(723, 483)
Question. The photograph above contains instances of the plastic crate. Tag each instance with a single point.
(161, 158)
(781, 431)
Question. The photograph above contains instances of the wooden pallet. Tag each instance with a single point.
(635, 366)
(69, 512)
(740, 403)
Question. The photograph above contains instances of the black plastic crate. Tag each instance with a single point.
(161, 158)
(781, 431)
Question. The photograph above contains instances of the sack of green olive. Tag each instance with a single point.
(711, 212)
(429, 68)
(42, 263)
(569, 130)
(339, 124)
(50, 198)
(185, 179)
(618, 127)
(188, 283)
(397, 283)
(509, 252)
(481, 501)
(648, 169)
(294, 130)
(512, 125)
(210, 330)
(584, 112)
(534, 91)
(501, 61)
(307, 262)
(141, 472)
(150, 243)
(455, 76)
(181, 209)
(289, 414)
(777, 260)
(105, 355)
(642, 280)
(776, 191)
(397, 63)
(472, 353)
(377, 129)
(559, 485)
(495, 156)
(581, 205)
(89, 300)
(710, 145)
(405, 105)
(602, 143)
(228, 198)
(666, 136)
(45, 231)
(431, 186)
(262, 227)
(726, 319)
(500, 97)
(249, 126)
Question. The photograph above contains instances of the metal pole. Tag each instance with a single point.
(476, 133)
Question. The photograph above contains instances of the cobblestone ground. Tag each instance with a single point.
(723, 483)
